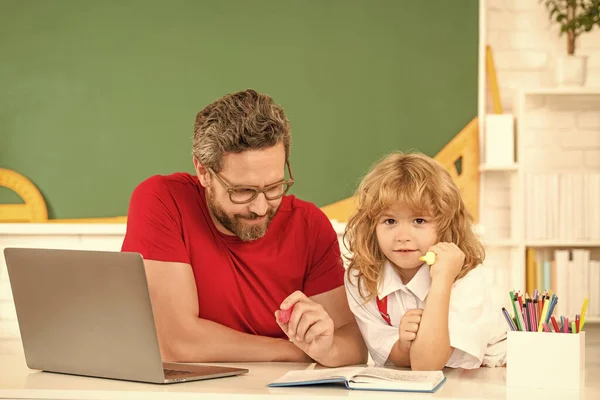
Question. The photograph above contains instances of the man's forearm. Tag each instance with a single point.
(400, 356)
(431, 348)
(348, 348)
(208, 341)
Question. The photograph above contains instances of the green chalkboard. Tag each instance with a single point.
(95, 96)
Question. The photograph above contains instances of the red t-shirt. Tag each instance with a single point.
(240, 284)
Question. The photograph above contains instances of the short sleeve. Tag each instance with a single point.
(154, 224)
(377, 334)
(325, 270)
(469, 320)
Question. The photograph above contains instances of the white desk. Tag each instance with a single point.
(18, 382)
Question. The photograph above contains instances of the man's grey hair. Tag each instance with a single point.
(237, 122)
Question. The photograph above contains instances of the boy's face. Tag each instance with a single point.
(404, 236)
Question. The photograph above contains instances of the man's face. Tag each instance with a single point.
(258, 168)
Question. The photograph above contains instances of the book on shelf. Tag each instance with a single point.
(365, 378)
(572, 273)
(562, 206)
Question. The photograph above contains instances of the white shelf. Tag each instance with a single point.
(562, 91)
(499, 243)
(509, 182)
(499, 168)
(562, 243)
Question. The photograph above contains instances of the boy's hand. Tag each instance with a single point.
(449, 261)
(409, 326)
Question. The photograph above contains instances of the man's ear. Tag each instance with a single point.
(201, 172)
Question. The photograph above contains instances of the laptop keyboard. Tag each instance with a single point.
(173, 373)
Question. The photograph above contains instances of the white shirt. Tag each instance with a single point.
(477, 328)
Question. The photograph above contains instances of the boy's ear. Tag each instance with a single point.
(202, 173)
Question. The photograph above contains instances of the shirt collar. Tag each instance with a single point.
(419, 285)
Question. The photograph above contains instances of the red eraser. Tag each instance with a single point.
(284, 315)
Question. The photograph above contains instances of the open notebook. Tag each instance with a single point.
(369, 378)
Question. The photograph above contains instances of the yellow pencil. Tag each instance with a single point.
(543, 317)
(583, 310)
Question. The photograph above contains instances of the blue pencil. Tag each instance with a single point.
(551, 308)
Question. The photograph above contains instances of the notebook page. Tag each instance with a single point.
(385, 377)
(317, 374)
(400, 375)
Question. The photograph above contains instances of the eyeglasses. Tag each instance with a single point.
(245, 194)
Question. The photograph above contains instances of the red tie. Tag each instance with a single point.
(382, 305)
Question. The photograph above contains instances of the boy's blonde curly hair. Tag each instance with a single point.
(423, 185)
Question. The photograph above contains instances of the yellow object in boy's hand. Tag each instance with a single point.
(429, 258)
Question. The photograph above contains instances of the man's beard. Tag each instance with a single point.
(236, 223)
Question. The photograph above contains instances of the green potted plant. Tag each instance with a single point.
(574, 17)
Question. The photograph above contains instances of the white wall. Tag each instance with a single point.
(524, 44)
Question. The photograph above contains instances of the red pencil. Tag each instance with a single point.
(555, 324)
(520, 298)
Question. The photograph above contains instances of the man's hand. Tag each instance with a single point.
(309, 327)
(409, 326)
(448, 262)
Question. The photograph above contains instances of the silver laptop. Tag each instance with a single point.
(89, 313)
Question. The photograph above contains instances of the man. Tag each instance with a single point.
(227, 249)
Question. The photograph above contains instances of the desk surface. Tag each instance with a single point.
(19, 382)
